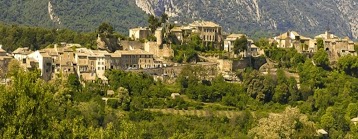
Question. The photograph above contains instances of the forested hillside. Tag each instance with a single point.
(274, 105)
(255, 17)
(79, 15)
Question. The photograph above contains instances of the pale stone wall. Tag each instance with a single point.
(128, 45)
(225, 65)
(154, 48)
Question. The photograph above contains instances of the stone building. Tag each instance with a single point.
(45, 62)
(210, 33)
(229, 41)
(292, 39)
(136, 59)
(159, 51)
(85, 62)
(4, 62)
(20, 54)
(335, 46)
(139, 33)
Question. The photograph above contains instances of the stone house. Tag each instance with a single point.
(45, 62)
(229, 42)
(4, 62)
(159, 51)
(210, 33)
(335, 46)
(115, 61)
(139, 33)
(20, 54)
(292, 39)
(136, 59)
(66, 60)
(85, 64)
(229, 46)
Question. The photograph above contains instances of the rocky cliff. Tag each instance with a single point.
(306, 16)
(254, 17)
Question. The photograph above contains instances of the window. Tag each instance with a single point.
(99, 68)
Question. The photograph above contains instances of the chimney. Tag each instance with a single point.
(0, 46)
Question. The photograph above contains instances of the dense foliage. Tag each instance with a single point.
(14, 36)
(85, 15)
(299, 97)
(79, 15)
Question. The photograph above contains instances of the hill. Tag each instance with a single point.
(254, 17)
(79, 15)
(262, 17)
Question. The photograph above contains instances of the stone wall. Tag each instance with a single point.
(225, 65)
(176, 70)
(161, 51)
(127, 45)
(254, 62)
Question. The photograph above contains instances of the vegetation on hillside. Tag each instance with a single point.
(325, 99)
(273, 105)
(79, 15)
(35, 38)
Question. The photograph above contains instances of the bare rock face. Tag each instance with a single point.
(349, 10)
(309, 17)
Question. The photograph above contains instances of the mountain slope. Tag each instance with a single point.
(254, 17)
(306, 16)
(80, 15)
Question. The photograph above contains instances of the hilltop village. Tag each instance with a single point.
(176, 81)
(150, 51)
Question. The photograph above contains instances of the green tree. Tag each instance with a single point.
(321, 58)
(322, 98)
(164, 18)
(105, 28)
(154, 23)
(349, 65)
(13, 68)
(74, 82)
(262, 43)
(320, 44)
(283, 125)
(327, 120)
(240, 44)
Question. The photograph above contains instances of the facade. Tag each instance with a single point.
(136, 59)
(66, 60)
(4, 62)
(229, 42)
(44, 61)
(101, 63)
(335, 46)
(252, 50)
(178, 32)
(292, 39)
(255, 51)
(85, 64)
(20, 54)
(139, 33)
(210, 33)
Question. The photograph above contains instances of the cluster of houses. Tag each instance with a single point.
(333, 45)
(210, 33)
(65, 59)
(88, 64)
